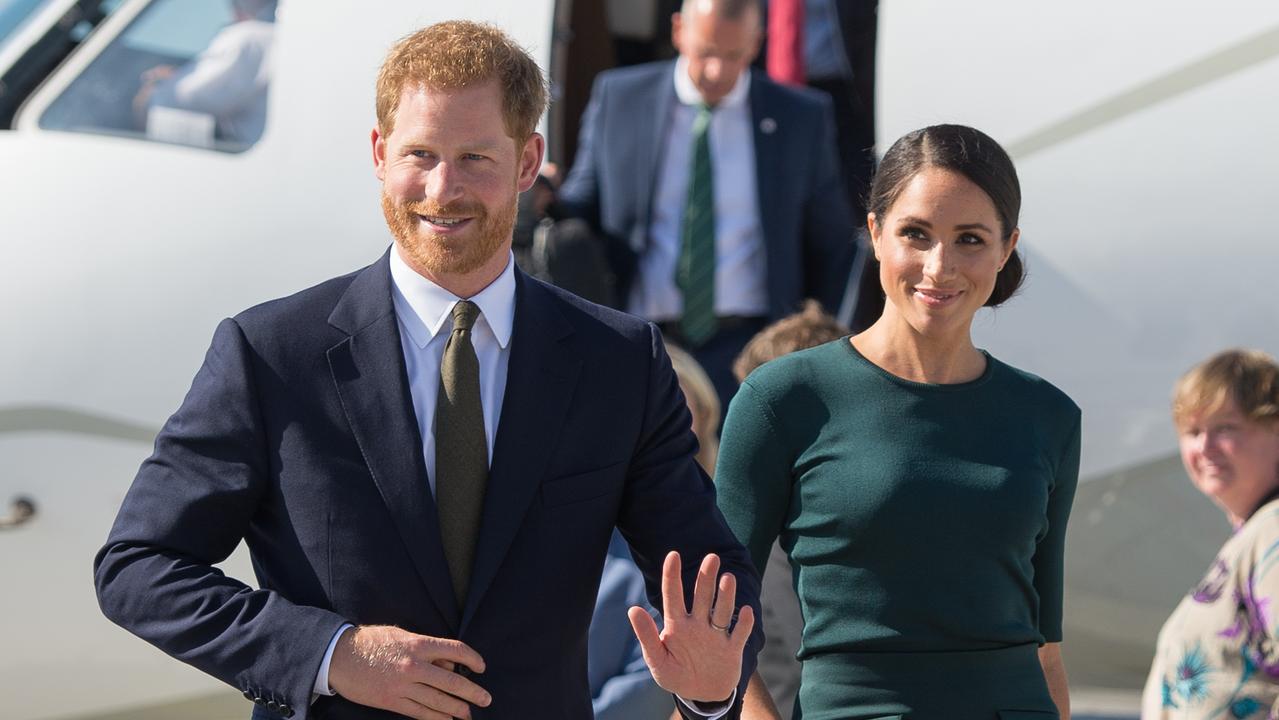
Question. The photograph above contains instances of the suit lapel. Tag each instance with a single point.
(541, 376)
(368, 368)
(661, 97)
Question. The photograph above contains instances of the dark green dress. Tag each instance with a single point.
(924, 523)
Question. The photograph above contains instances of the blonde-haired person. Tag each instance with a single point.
(703, 404)
(1218, 653)
(810, 327)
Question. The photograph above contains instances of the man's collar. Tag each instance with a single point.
(688, 94)
(424, 306)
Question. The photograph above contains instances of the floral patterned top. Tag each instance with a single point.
(1218, 653)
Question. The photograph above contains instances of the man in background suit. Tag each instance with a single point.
(717, 191)
(417, 456)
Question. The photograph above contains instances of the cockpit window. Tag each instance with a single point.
(191, 72)
(15, 13)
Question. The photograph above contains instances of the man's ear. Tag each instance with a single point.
(379, 154)
(675, 30)
(530, 161)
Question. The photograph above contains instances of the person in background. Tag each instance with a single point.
(228, 80)
(1218, 654)
(809, 327)
(783, 622)
(703, 404)
(564, 252)
(716, 191)
(829, 45)
(920, 486)
(622, 688)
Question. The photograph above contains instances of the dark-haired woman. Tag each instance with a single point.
(920, 486)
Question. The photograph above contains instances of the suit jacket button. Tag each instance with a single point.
(286, 711)
(248, 695)
(259, 701)
(272, 705)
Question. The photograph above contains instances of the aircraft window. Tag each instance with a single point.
(191, 72)
(13, 13)
(82, 28)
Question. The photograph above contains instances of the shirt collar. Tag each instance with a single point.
(424, 307)
(688, 94)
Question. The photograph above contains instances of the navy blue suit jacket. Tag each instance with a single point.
(807, 225)
(298, 435)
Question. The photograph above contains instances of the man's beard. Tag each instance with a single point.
(444, 254)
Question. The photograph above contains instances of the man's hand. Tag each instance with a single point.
(393, 669)
(158, 73)
(146, 88)
(696, 656)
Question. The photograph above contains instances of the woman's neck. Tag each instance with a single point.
(940, 358)
(1239, 516)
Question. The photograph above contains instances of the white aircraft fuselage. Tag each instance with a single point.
(1145, 140)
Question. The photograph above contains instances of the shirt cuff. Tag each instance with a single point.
(710, 711)
(322, 677)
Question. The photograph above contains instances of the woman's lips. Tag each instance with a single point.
(936, 298)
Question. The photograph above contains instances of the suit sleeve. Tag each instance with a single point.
(191, 503)
(670, 503)
(829, 229)
(580, 193)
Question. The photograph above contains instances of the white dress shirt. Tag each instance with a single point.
(740, 265)
(425, 314)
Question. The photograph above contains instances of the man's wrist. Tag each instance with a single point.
(322, 686)
(709, 710)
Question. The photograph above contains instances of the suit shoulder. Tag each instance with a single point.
(803, 97)
(315, 302)
(595, 320)
(625, 79)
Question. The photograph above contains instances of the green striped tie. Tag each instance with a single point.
(695, 275)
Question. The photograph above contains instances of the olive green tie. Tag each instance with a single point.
(695, 274)
(461, 450)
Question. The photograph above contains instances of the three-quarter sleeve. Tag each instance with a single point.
(1258, 590)
(1049, 560)
(753, 474)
